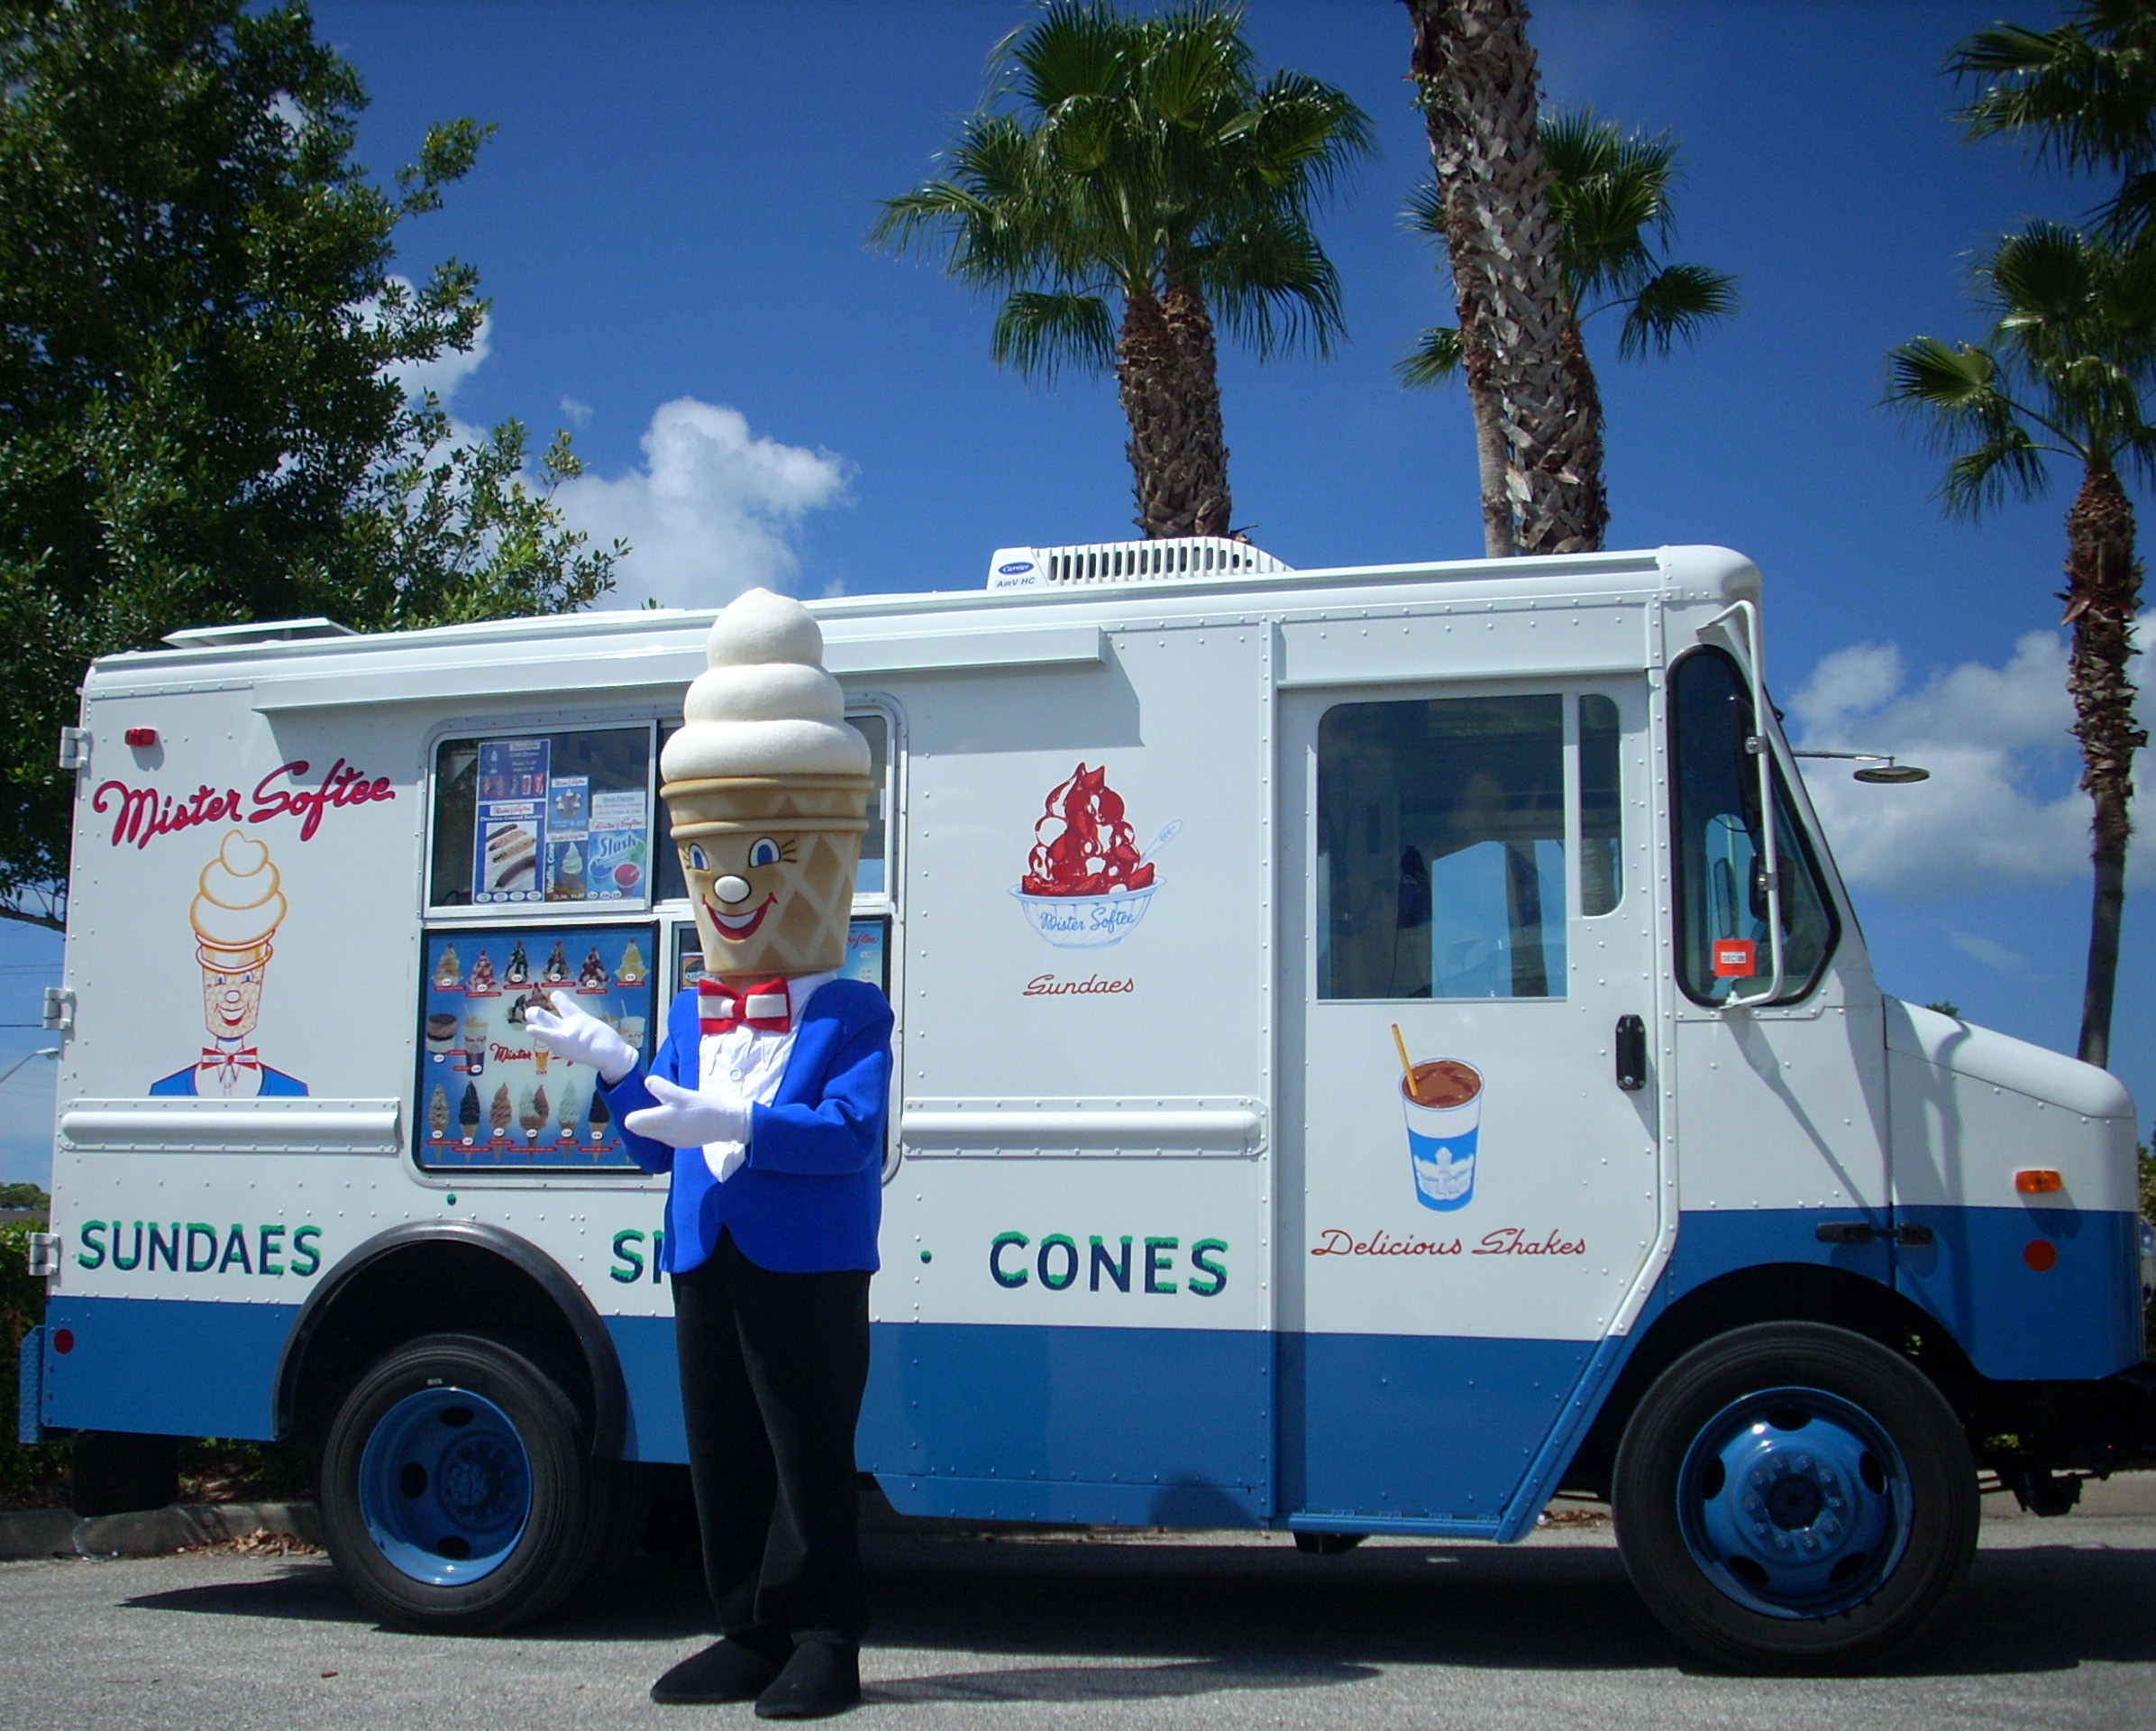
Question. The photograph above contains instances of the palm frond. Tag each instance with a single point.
(1038, 334)
(1953, 377)
(1436, 358)
(1674, 305)
(2001, 470)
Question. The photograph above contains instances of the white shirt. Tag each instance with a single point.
(745, 1066)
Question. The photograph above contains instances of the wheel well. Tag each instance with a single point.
(432, 1278)
(1795, 1292)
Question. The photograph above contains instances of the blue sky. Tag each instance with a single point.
(671, 224)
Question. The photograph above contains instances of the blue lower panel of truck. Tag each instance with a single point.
(167, 1365)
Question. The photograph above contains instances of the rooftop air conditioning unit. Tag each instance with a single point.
(1187, 558)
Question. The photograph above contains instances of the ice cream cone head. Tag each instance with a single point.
(768, 790)
(237, 909)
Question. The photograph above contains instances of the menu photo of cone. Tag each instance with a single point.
(767, 789)
(489, 1093)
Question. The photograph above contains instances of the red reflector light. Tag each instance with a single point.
(2037, 1182)
(142, 736)
(2041, 1254)
(1735, 959)
(63, 1340)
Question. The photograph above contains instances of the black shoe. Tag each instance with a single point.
(822, 1678)
(725, 1670)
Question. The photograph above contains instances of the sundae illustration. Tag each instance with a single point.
(592, 975)
(519, 970)
(1086, 885)
(1443, 1103)
(556, 971)
(448, 971)
(483, 978)
(633, 970)
(236, 911)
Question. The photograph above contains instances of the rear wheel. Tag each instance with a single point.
(458, 1491)
(1795, 1497)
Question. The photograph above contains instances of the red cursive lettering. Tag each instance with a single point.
(1511, 1240)
(140, 814)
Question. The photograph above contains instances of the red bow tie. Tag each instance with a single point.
(228, 1060)
(764, 1006)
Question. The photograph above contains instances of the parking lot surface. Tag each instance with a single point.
(1227, 1630)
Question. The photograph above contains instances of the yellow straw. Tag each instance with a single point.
(1406, 1068)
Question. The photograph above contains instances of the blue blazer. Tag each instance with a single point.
(810, 1197)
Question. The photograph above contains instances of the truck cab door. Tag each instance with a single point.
(1469, 1109)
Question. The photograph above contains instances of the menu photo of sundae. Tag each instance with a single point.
(489, 1094)
(1086, 884)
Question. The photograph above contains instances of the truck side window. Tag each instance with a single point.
(1441, 848)
(870, 877)
(544, 818)
(1720, 889)
(1601, 809)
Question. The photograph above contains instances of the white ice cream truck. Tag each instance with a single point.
(1376, 1048)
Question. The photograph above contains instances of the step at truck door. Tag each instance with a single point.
(1468, 1113)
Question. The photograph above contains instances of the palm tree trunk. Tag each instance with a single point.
(1490, 452)
(1169, 380)
(1477, 77)
(2103, 591)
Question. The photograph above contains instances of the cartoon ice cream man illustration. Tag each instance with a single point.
(766, 1103)
(237, 909)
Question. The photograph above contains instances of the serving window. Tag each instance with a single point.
(535, 818)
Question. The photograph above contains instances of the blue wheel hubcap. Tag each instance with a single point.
(446, 1486)
(1794, 1503)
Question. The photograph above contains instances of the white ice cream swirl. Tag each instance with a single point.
(237, 899)
(764, 707)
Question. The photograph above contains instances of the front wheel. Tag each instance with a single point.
(1795, 1497)
(458, 1492)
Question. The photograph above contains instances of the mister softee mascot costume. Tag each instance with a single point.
(766, 1103)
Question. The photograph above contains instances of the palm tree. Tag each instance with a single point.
(2083, 93)
(1537, 426)
(2071, 355)
(1610, 194)
(1128, 182)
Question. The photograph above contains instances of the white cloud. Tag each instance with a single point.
(578, 412)
(448, 370)
(711, 512)
(1993, 955)
(2002, 806)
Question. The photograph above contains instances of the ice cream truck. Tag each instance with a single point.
(1377, 1048)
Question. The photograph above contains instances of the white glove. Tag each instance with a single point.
(567, 1032)
(684, 1118)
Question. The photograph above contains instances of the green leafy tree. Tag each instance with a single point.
(1130, 184)
(200, 340)
(2064, 375)
(1609, 194)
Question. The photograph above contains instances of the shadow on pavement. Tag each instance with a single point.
(1264, 1616)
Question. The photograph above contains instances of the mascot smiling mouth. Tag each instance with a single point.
(739, 926)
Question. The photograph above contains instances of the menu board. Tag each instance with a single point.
(540, 836)
(491, 1095)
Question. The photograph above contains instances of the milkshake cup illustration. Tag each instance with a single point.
(768, 790)
(1442, 1100)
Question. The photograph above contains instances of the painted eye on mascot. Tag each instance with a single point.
(697, 862)
(763, 851)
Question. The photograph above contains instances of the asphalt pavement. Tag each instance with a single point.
(1227, 1630)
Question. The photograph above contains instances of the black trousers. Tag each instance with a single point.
(773, 1369)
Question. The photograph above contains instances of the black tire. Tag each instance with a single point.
(1788, 1565)
(526, 1487)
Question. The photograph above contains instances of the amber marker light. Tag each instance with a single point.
(2038, 1181)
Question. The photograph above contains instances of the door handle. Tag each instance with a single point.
(1631, 1054)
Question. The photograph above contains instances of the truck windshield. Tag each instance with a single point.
(1721, 880)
